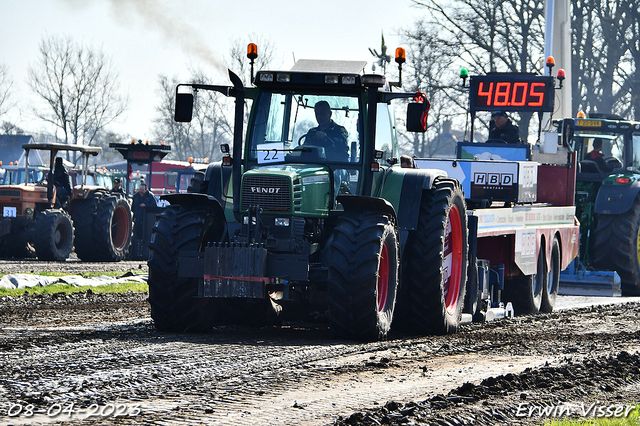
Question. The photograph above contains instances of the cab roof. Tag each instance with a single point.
(320, 65)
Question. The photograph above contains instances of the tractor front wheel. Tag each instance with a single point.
(53, 235)
(363, 276)
(617, 247)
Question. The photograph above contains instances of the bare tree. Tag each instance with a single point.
(606, 56)
(5, 90)
(501, 36)
(430, 69)
(212, 122)
(79, 86)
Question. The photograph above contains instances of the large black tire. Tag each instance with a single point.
(525, 293)
(17, 243)
(435, 263)
(172, 298)
(617, 247)
(552, 283)
(53, 235)
(83, 213)
(112, 229)
(363, 276)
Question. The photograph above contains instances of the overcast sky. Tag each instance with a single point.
(146, 38)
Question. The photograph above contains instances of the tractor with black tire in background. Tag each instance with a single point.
(311, 216)
(36, 221)
(608, 194)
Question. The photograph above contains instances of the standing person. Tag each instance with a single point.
(141, 200)
(117, 186)
(328, 134)
(503, 129)
(61, 181)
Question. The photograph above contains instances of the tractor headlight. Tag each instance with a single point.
(28, 211)
(282, 221)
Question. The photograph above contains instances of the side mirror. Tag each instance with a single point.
(184, 107)
(416, 117)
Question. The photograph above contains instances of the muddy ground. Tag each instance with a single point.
(96, 359)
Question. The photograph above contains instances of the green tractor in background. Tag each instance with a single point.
(608, 195)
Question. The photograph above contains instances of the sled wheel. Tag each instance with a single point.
(526, 292)
(363, 276)
(552, 283)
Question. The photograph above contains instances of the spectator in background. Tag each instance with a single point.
(141, 200)
(117, 186)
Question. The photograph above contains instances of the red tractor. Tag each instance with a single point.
(36, 221)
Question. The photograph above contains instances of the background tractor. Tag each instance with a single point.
(607, 194)
(36, 223)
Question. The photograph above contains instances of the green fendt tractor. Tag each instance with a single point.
(608, 195)
(313, 221)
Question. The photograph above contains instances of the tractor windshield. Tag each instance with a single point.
(599, 152)
(304, 128)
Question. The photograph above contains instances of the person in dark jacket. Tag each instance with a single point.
(503, 129)
(328, 134)
(61, 181)
(141, 200)
(117, 186)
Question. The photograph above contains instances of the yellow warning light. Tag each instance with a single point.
(252, 51)
(581, 114)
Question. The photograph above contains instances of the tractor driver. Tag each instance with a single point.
(501, 128)
(597, 156)
(329, 135)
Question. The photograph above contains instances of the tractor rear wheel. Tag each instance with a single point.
(525, 293)
(435, 265)
(363, 276)
(53, 235)
(174, 306)
(552, 282)
(112, 229)
(83, 213)
(617, 247)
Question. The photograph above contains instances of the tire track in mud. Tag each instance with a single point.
(293, 375)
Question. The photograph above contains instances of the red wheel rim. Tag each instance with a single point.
(383, 278)
(452, 259)
(120, 227)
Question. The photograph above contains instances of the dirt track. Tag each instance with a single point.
(102, 354)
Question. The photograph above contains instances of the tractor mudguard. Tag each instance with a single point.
(200, 200)
(217, 178)
(414, 182)
(616, 199)
(361, 203)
